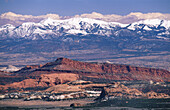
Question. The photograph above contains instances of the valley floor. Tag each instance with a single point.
(136, 104)
(42, 104)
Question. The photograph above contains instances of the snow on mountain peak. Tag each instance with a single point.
(48, 21)
(154, 22)
(6, 29)
(7, 26)
(78, 21)
(150, 23)
(76, 26)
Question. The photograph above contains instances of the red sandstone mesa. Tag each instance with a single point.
(64, 70)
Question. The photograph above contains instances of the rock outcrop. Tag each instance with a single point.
(119, 91)
(65, 70)
(151, 95)
(108, 71)
(44, 80)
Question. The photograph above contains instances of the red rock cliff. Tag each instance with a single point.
(113, 71)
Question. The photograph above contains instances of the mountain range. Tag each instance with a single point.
(141, 43)
(49, 29)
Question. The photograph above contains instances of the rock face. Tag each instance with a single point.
(112, 71)
(45, 80)
(65, 70)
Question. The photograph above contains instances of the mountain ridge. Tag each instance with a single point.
(144, 43)
(65, 64)
(64, 70)
(83, 27)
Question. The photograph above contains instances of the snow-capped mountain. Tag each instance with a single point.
(50, 28)
(85, 38)
(149, 24)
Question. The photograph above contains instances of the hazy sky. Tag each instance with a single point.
(73, 7)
